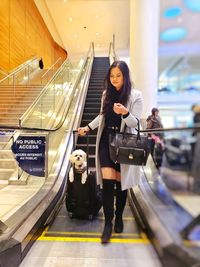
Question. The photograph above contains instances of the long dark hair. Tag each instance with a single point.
(124, 91)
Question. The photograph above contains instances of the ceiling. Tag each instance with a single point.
(74, 24)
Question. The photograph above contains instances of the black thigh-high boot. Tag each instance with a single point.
(120, 205)
(108, 208)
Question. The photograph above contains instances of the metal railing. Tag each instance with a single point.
(59, 144)
(49, 73)
(21, 75)
(112, 54)
(3, 72)
(58, 93)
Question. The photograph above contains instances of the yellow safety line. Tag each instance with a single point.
(45, 231)
(143, 235)
(101, 218)
(97, 240)
(86, 233)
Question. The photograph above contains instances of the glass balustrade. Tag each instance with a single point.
(21, 74)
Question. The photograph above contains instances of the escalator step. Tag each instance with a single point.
(93, 100)
(93, 105)
(91, 148)
(89, 116)
(89, 96)
(83, 139)
(91, 110)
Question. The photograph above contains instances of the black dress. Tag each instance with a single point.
(112, 124)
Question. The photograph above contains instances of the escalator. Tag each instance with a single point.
(92, 105)
(166, 201)
(66, 241)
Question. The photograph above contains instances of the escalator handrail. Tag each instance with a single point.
(112, 53)
(162, 130)
(9, 224)
(59, 125)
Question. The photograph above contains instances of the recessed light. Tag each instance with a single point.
(70, 19)
(96, 17)
(97, 33)
(173, 34)
(172, 12)
(75, 35)
(193, 5)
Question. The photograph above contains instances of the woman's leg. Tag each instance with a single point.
(109, 179)
(120, 205)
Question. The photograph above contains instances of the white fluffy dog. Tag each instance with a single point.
(78, 159)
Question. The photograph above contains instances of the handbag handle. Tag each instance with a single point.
(138, 130)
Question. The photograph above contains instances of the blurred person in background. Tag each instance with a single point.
(157, 146)
(154, 120)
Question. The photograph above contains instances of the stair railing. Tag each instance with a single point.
(49, 73)
(56, 96)
(21, 75)
(112, 54)
(70, 116)
(3, 73)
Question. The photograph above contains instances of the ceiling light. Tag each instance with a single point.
(193, 5)
(70, 19)
(172, 12)
(173, 34)
(97, 33)
(75, 35)
(96, 17)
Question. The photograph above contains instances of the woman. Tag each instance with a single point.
(120, 105)
(154, 120)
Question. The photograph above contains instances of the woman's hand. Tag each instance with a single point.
(83, 130)
(120, 109)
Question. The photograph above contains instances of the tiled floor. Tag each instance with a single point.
(73, 242)
(12, 197)
(62, 254)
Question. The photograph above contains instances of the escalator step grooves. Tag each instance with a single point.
(93, 104)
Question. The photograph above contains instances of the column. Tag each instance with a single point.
(144, 40)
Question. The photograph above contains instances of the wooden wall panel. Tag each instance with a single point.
(17, 32)
(23, 34)
(4, 35)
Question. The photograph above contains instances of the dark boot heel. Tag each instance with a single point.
(120, 205)
(108, 208)
(119, 226)
(107, 233)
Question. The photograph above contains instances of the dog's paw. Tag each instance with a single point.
(71, 177)
(84, 178)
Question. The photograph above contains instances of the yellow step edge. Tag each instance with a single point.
(87, 233)
(95, 240)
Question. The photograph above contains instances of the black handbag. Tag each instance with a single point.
(127, 148)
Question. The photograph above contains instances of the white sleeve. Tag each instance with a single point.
(135, 110)
(94, 123)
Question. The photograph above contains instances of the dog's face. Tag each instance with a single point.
(78, 158)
